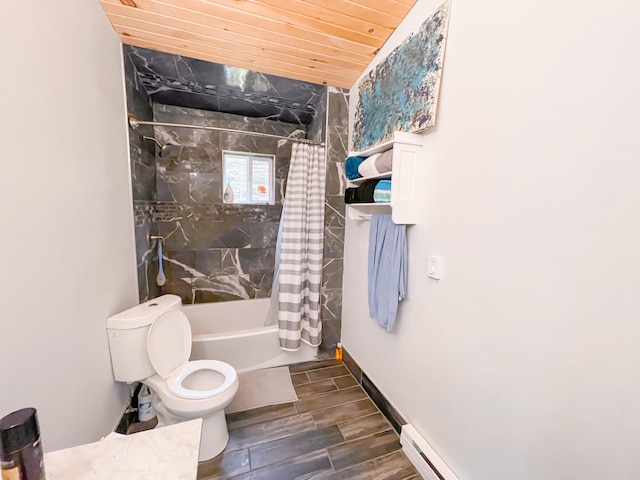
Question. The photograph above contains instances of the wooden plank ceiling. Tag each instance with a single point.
(328, 42)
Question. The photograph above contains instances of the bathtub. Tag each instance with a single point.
(234, 332)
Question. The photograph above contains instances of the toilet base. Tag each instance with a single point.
(215, 436)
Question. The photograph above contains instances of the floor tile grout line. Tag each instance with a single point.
(283, 462)
(323, 368)
(361, 438)
(326, 450)
(341, 405)
(389, 426)
(366, 461)
(269, 439)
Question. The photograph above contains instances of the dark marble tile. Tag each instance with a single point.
(225, 465)
(317, 128)
(383, 404)
(257, 260)
(173, 187)
(299, 379)
(330, 336)
(345, 382)
(364, 449)
(265, 235)
(394, 466)
(363, 426)
(351, 364)
(331, 399)
(312, 365)
(334, 210)
(221, 288)
(176, 264)
(143, 283)
(174, 234)
(294, 445)
(259, 415)
(332, 415)
(332, 271)
(229, 261)
(326, 373)
(209, 262)
(325, 353)
(336, 180)
(304, 467)
(333, 242)
(198, 84)
(281, 427)
(205, 187)
(234, 235)
(143, 177)
(311, 389)
(180, 286)
(262, 284)
(332, 305)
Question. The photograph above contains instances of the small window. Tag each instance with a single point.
(247, 178)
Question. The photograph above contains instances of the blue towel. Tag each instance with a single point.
(351, 165)
(382, 192)
(387, 269)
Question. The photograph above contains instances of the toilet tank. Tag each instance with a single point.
(127, 332)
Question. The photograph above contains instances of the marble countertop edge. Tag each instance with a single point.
(169, 452)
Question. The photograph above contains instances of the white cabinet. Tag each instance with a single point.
(405, 177)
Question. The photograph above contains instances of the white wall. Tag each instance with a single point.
(66, 248)
(523, 362)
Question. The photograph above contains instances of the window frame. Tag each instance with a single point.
(250, 157)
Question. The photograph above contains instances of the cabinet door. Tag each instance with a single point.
(404, 188)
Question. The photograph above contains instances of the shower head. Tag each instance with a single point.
(164, 149)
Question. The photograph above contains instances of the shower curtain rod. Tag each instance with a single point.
(136, 123)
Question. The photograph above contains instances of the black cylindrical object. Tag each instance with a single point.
(20, 446)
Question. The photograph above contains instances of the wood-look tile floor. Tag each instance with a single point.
(333, 432)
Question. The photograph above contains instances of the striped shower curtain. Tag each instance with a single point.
(300, 272)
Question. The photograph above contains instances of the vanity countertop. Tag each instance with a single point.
(169, 452)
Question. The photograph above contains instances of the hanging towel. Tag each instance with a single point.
(351, 165)
(387, 269)
(382, 192)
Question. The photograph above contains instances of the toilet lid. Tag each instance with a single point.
(169, 342)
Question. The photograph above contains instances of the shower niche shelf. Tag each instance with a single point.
(406, 173)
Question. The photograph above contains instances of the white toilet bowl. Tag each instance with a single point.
(187, 389)
(182, 390)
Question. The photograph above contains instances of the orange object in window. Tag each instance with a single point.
(262, 189)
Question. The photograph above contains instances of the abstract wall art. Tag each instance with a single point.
(401, 92)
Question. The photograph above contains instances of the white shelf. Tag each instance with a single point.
(380, 176)
(406, 173)
(363, 211)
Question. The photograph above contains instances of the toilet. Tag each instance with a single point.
(151, 343)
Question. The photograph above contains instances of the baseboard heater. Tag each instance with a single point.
(424, 458)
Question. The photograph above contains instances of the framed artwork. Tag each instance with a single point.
(401, 92)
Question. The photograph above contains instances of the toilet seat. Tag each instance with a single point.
(174, 382)
(169, 348)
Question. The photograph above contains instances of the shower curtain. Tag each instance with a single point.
(301, 246)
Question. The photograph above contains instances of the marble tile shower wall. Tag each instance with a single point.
(215, 251)
(334, 214)
(143, 178)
